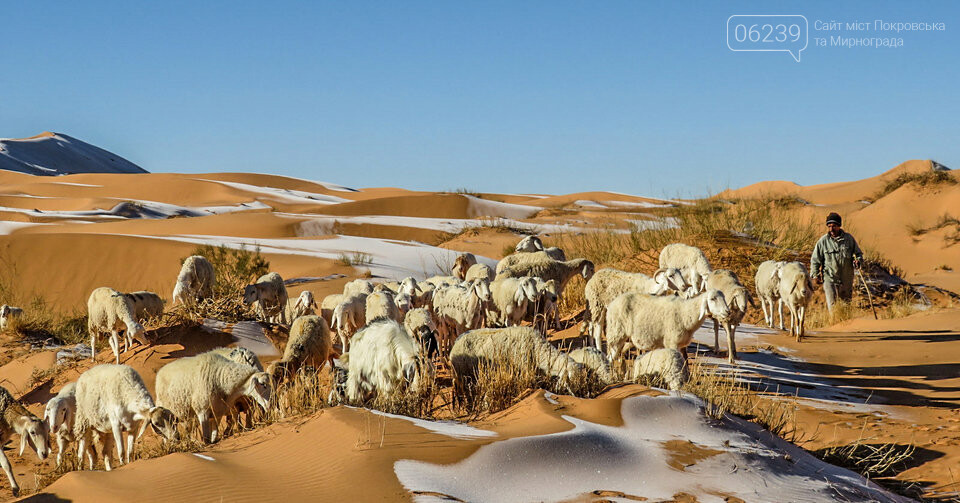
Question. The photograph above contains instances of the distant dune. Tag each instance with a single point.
(52, 154)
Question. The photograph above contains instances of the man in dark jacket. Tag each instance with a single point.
(833, 260)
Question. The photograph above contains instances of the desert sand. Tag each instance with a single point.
(881, 381)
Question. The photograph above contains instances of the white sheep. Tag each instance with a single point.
(796, 290)
(650, 322)
(303, 306)
(608, 284)
(462, 264)
(309, 343)
(381, 304)
(545, 312)
(737, 298)
(145, 304)
(595, 362)
(479, 271)
(348, 317)
(111, 311)
(111, 400)
(207, 386)
(516, 347)
(16, 419)
(459, 308)
(690, 260)
(357, 286)
(532, 244)
(195, 281)
(404, 303)
(328, 304)
(511, 296)
(60, 415)
(664, 365)
(270, 296)
(540, 264)
(9, 316)
(419, 323)
(767, 282)
(384, 356)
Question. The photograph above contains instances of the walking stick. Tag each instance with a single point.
(869, 296)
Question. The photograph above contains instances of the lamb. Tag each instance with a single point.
(384, 356)
(240, 355)
(608, 284)
(540, 264)
(328, 304)
(195, 281)
(595, 362)
(419, 323)
(532, 244)
(111, 311)
(112, 399)
(462, 264)
(690, 260)
(60, 414)
(479, 271)
(511, 296)
(145, 304)
(348, 317)
(309, 343)
(651, 322)
(408, 286)
(513, 346)
(303, 306)
(16, 419)
(208, 387)
(664, 365)
(767, 282)
(796, 290)
(459, 308)
(357, 286)
(9, 316)
(270, 295)
(381, 304)
(737, 298)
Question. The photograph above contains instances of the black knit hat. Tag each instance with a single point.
(834, 218)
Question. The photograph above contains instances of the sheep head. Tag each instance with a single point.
(164, 423)
(33, 432)
(670, 278)
(250, 294)
(306, 301)
(259, 388)
(481, 288)
(586, 270)
(713, 303)
(529, 244)
(526, 291)
(55, 413)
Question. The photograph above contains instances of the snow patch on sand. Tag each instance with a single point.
(283, 195)
(448, 428)
(735, 458)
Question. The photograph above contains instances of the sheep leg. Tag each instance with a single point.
(803, 314)
(780, 310)
(93, 346)
(61, 448)
(597, 331)
(107, 443)
(716, 336)
(118, 439)
(115, 345)
(731, 343)
(5, 463)
(766, 316)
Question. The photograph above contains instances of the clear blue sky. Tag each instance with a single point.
(552, 96)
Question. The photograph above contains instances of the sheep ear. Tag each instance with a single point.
(659, 274)
(23, 442)
(703, 307)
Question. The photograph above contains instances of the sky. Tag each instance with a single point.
(534, 97)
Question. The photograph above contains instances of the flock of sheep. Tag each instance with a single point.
(392, 333)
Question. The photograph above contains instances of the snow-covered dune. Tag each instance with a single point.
(58, 154)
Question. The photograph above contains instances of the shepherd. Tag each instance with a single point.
(833, 261)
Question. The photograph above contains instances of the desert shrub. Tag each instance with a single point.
(724, 394)
(922, 179)
(235, 268)
(354, 259)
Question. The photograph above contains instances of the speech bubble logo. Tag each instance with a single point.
(768, 33)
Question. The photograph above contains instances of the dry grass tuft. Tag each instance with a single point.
(235, 269)
(922, 179)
